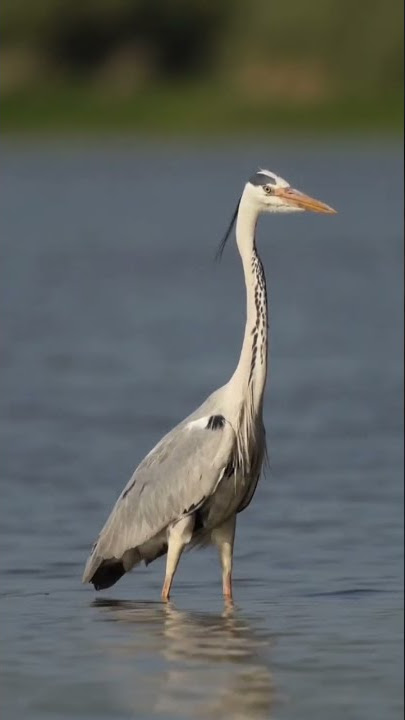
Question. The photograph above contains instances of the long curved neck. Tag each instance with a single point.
(250, 375)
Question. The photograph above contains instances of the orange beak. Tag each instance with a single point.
(305, 202)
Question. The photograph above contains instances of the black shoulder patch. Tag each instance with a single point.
(215, 422)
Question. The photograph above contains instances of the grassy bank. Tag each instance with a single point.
(190, 111)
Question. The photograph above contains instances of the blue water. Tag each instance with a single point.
(116, 323)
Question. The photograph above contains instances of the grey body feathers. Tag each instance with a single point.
(192, 470)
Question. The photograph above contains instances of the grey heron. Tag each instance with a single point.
(189, 489)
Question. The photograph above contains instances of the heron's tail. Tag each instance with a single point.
(107, 574)
(104, 572)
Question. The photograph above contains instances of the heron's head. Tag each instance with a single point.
(273, 194)
(267, 192)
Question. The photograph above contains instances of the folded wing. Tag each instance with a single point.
(176, 478)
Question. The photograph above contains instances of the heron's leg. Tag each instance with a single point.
(223, 537)
(178, 536)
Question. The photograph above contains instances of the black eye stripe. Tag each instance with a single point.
(261, 179)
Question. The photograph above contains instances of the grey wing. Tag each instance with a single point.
(177, 476)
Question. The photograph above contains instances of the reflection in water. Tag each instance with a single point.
(210, 666)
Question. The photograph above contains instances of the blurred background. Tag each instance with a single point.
(129, 130)
(187, 66)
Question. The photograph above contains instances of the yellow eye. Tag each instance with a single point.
(268, 189)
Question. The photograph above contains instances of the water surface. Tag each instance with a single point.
(116, 324)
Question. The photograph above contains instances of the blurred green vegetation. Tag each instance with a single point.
(187, 66)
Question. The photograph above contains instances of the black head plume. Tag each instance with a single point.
(224, 240)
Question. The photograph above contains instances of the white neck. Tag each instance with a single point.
(249, 378)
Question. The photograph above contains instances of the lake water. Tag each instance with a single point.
(116, 323)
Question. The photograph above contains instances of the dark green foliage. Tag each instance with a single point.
(249, 60)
